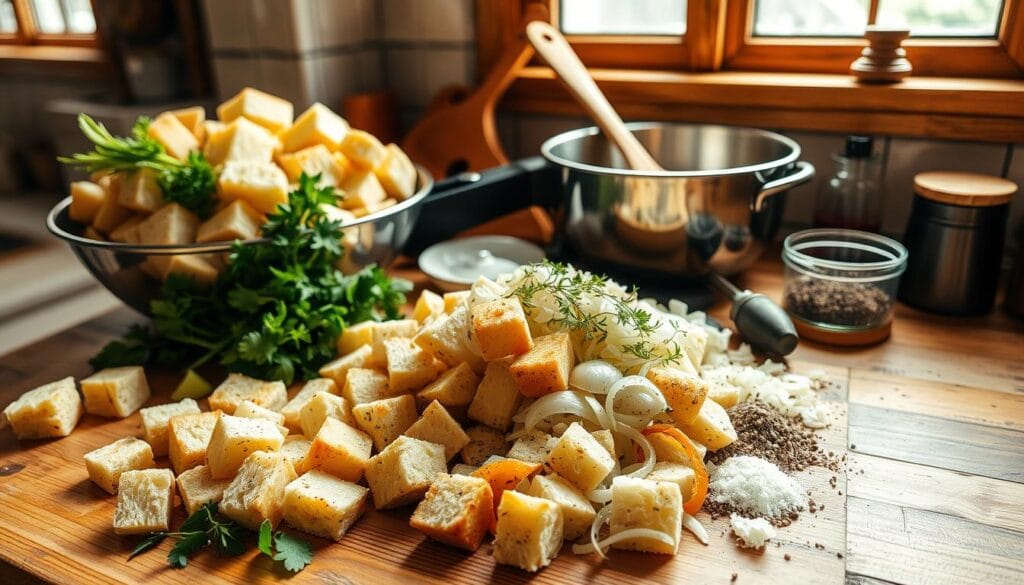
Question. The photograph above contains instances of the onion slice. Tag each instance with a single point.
(598, 546)
(641, 387)
(564, 402)
(644, 469)
(696, 528)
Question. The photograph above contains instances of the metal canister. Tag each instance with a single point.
(955, 237)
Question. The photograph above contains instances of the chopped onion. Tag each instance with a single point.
(594, 376)
(643, 402)
(565, 402)
(696, 528)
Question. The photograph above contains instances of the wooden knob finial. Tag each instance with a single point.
(883, 60)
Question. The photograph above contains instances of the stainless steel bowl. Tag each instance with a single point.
(714, 208)
(375, 239)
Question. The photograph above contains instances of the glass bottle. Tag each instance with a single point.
(852, 197)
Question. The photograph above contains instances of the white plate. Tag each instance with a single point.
(456, 264)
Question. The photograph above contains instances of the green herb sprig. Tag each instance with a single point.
(293, 552)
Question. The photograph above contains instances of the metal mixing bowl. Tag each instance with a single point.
(375, 239)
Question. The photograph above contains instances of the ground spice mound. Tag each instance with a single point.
(767, 433)
(839, 303)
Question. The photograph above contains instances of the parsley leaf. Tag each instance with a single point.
(197, 532)
(294, 552)
(187, 545)
(264, 542)
(147, 543)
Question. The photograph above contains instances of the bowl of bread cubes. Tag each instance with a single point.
(177, 196)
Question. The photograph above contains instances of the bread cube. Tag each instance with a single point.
(402, 472)
(106, 464)
(501, 328)
(240, 141)
(110, 213)
(605, 438)
(140, 192)
(314, 160)
(176, 139)
(389, 330)
(396, 173)
(322, 406)
(448, 339)
(428, 306)
(295, 448)
(726, 395)
(155, 421)
(711, 427)
(356, 336)
(577, 511)
(361, 189)
(262, 185)
(677, 473)
(51, 410)
(86, 199)
(531, 448)
(237, 388)
(257, 492)
(363, 386)
(128, 231)
(197, 487)
(171, 224)
(643, 503)
(317, 125)
(546, 367)
(210, 128)
(323, 505)
(454, 300)
(437, 426)
(484, 442)
(193, 118)
(497, 398)
(337, 370)
(456, 510)
(409, 366)
(188, 436)
(236, 221)
(234, 438)
(384, 420)
(292, 411)
(454, 389)
(92, 233)
(464, 469)
(579, 458)
(338, 449)
(363, 149)
(684, 392)
(271, 112)
(145, 501)
(115, 392)
(249, 409)
(190, 266)
(529, 532)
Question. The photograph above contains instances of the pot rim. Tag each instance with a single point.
(579, 133)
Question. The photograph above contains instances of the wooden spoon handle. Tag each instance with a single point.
(551, 45)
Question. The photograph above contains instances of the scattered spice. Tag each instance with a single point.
(766, 433)
(786, 556)
(734, 576)
(838, 303)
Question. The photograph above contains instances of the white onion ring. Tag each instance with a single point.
(696, 528)
(594, 376)
(563, 402)
(641, 385)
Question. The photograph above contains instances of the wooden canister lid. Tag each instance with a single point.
(966, 189)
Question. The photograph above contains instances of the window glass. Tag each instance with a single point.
(943, 18)
(810, 18)
(622, 17)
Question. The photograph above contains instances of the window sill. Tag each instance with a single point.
(62, 61)
(951, 108)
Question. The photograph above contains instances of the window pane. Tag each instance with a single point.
(8, 22)
(810, 18)
(618, 17)
(943, 18)
(79, 15)
(49, 18)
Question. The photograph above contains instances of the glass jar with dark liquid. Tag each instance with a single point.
(852, 197)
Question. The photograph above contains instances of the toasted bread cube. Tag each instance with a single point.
(356, 336)
(194, 119)
(531, 448)
(177, 140)
(263, 186)
(295, 448)
(579, 458)
(271, 112)
(51, 410)
(409, 367)
(546, 367)
(128, 231)
(257, 491)
(338, 449)
(497, 398)
(188, 436)
(429, 305)
(155, 422)
(323, 505)
(192, 267)
(234, 438)
(322, 406)
(437, 426)
(237, 388)
(456, 510)
(171, 224)
(115, 392)
(388, 330)
(362, 189)
(210, 128)
(363, 149)
(249, 409)
(384, 420)
(92, 233)
(484, 442)
(577, 511)
(292, 411)
(197, 488)
(464, 469)
(337, 370)
(454, 389)
(86, 199)
(677, 473)
(363, 386)
(140, 191)
(642, 503)
(684, 392)
(448, 339)
(501, 328)
(711, 427)
(317, 125)
(110, 213)
(529, 533)
(402, 472)
(396, 173)
(454, 300)
(236, 221)
(726, 395)
(314, 160)
(145, 501)
(240, 141)
(106, 464)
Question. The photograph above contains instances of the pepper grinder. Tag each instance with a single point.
(883, 60)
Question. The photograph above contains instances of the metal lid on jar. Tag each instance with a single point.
(965, 189)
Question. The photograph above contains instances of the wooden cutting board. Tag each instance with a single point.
(56, 524)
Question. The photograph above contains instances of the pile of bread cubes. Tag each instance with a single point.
(387, 419)
(258, 152)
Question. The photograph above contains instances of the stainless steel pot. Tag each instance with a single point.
(713, 212)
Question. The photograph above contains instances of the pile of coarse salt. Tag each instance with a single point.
(751, 532)
(754, 487)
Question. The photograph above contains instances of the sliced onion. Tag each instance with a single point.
(602, 417)
(594, 376)
(640, 470)
(600, 519)
(696, 528)
(636, 388)
(564, 402)
(600, 495)
(598, 546)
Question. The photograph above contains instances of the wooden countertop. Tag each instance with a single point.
(936, 438)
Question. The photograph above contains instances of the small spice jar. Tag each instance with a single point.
(955, 235)
(841, 284)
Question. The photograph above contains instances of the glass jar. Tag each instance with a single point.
(852, 197)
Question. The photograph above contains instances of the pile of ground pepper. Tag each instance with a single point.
(837, 303)
(765, 432)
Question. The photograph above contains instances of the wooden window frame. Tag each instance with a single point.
(28, 33)
(31, 53)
